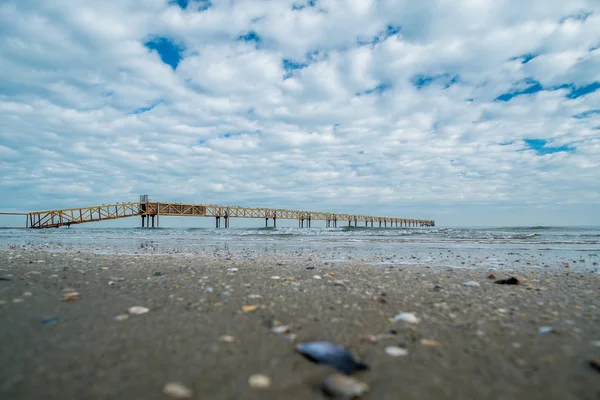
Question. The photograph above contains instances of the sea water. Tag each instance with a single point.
(577, 248)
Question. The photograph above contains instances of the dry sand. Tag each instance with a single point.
(485, 341)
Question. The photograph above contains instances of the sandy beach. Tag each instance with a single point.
(534, 340)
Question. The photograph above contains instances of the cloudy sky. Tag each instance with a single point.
(469, 112)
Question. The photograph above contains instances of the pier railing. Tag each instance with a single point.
(148, 210)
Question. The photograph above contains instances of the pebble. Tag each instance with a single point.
(2, 302)
(317, 277)
(595, 363)
(546, 329)
(49, 320)
(281, 329)
(5, 278)
(121, 317)
(27, 294)
(471, 284)
(177, 390)
(396, 351)
(249, 308)
(409, 317)
(509, 281)
(232, 270)
(275, 277)
(17, 300)
(259, 381)
(430, 343)
(366, 337)
(595, 343)
(70, 296)
(138, 310)
(345, 387)
(41, 261)
(226, 339)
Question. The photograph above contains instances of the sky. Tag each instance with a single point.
(468, 112)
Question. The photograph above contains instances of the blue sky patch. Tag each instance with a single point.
(586, 114)
(299, 7)
(420, 81)
(142, 110)
(525, 58)
(249, 38)
(290, 66)
(581, 15)
(181, 3)
(382, 87)
(202, 5)
(169, 52)
(541, 148)
(533, 86)
(582, 90)
(382, 36)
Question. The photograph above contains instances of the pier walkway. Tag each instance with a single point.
(150, 213)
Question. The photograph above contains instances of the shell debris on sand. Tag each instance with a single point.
(430, 343)
(259, 381)
(396, 351)
(344, 387)
(226, 339)
(138, 310)
(177, 390)
(471, 284)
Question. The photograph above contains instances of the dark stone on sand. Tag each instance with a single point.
(510, 281)
(595, 363)
(5, 278)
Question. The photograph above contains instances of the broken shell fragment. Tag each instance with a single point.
(281, 329)
(344, 387)
(138, 310)
(259, 381)
(177, 390)
(330, 354)
(430, 343)
(249, 308)
(396, 351)
(70, 296)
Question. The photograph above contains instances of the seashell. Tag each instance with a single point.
(177, 390)
(409, 317)
(259, 381)
(344, 387)
(330, 354)
(138, 310)
(396, 351)
(281, 329)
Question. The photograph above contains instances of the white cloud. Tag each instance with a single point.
(385, 107)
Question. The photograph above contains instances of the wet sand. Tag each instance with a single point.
(489, 340)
